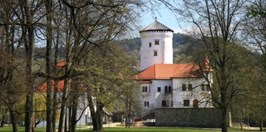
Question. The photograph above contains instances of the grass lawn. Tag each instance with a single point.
(163, 129)
(20, 129)
(137, 129)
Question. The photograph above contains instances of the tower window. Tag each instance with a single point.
(155, 53)
(156, 42)
(150, 44)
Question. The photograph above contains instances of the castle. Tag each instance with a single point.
(164, 84)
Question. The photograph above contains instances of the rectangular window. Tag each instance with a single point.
(150, 44)
(156, 42)
(186, 102)
(146, 103)
(163, 103)
(172, 104)
(155, 53)
(168, 89)
(144, 89)
(158, 89)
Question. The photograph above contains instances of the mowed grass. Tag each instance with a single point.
(163, 129)
(20, 129)
(138, 129)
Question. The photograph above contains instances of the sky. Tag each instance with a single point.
(165, 17)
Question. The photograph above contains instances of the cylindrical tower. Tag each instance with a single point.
(157, 45)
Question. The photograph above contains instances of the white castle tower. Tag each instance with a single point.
(157, 45)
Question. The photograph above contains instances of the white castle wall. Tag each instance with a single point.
(178, 95)
(154, 97)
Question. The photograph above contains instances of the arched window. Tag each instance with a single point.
(189, 87)
(169, 88)
(184, 87)
(195, 103)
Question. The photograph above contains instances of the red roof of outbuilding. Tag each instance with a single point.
(168, 71)
(61, 63)
(60, 86)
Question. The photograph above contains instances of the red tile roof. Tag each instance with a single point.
(168, 71)
(60, 86)
(61, 63)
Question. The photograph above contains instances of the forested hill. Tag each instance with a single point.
(183, 45)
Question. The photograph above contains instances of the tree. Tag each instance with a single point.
(10, 81)
(84, 25)
(217, 23)
(107, 77)
(254, 34)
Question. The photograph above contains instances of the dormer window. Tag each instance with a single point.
(156, 42)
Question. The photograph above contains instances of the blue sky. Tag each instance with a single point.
(164, 16)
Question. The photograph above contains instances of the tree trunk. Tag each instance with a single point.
(55, 96)
(13, 119)
(224, 120)
(28, 34)
(69, 118)
(73, 118)
(99, 116)
(54, 107)
(48, 6)
(63, 107)
(64, 99)
(2, 120)
(74, 105)
(261, 125)
(94, 118)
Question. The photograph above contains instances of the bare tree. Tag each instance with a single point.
(255, 36)
(217, 23)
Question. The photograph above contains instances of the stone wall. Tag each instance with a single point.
(188, 117)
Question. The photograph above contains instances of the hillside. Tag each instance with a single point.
(183, 46)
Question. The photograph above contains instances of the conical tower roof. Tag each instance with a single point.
(156, 26)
